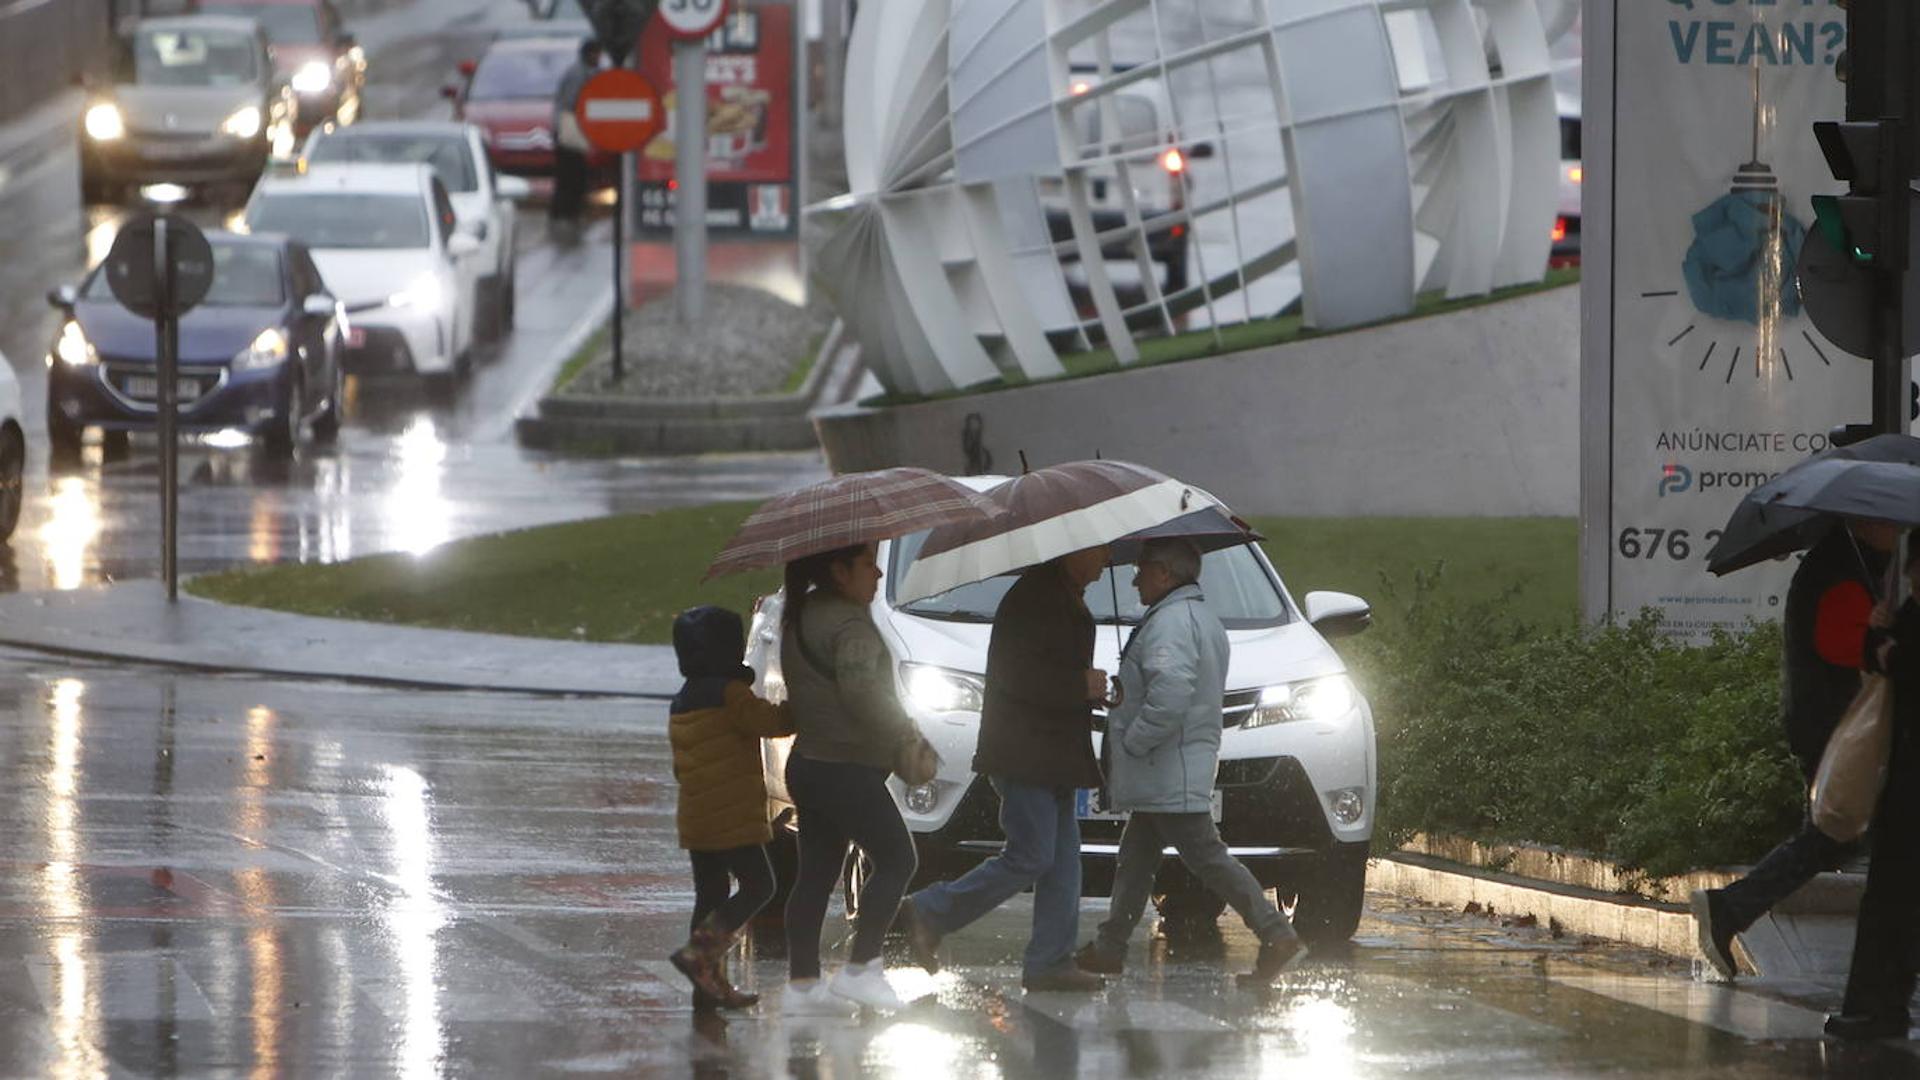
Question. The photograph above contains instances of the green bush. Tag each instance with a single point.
(1612, 740)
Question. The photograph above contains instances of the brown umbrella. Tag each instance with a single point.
(858, 508)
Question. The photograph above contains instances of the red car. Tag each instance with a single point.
(325, 66)
(508, 94)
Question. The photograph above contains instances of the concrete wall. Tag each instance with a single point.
(44, 44)
(1473, 413)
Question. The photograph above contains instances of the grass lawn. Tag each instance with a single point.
(622, 579)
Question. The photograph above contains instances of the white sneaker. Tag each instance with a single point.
(814, 1000)
(868, 987)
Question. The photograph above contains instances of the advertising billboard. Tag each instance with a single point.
(752, 126)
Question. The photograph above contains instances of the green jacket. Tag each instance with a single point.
(850, 711)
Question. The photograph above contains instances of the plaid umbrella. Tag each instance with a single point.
(1050, 512)
(857, 508)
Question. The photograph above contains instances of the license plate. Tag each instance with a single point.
(1087, 806)
(357, 337)
(165, 152)
(148, 386)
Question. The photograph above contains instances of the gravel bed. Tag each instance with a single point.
(749, 344)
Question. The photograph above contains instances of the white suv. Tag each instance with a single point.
(1297, 761)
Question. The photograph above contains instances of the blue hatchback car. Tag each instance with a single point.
(261, 353)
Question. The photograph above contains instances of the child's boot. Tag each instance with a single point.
(700, 959)
(734, 998)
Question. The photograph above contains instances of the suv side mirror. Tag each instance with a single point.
(460, 245)
(319, 305)
(63, 297)
(1338, 614)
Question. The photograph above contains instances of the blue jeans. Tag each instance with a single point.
(1043, 851)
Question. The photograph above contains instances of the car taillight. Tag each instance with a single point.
(1173, 160)
(1559, 229)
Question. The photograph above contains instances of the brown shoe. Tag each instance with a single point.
(699, 960)
(1063, 979)
(1275, 954)
(734, 998)
(923, 941)
(1098, 961)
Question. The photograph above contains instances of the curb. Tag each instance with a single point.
(1662, 927)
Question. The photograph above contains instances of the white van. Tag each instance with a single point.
(1297, 776)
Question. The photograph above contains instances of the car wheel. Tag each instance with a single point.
(1329, 900)
(13, 468)
(63, 438)
(1186, 907)
(284, 435)
(326, 426)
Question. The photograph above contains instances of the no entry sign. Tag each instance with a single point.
(619, 111)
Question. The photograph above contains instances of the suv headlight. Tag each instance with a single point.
(104, 122)
(313, 77)
(244, 123)
(938, 689)
(268, 349)
(1323, 699)
(73, 348)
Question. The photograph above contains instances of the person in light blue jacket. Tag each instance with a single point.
(1165, 729)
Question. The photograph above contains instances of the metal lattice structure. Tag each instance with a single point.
(1007, 160)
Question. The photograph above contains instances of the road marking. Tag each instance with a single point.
(1726, 1008)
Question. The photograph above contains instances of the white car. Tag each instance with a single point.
(387, 241)
(482, 199)
(1297, 777)
(1566, 221)
(13, 451)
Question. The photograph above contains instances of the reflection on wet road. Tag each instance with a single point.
(409, 472)
(224, 876)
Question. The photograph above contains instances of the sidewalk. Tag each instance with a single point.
(132, 621)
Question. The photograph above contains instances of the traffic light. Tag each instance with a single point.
(1869, 221)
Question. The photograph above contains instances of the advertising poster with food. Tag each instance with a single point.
(751, 125)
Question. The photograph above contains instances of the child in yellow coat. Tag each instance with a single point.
(715, 725)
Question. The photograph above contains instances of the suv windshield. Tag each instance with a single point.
(193, 58)
(1238, 589)
(344, 220)
(244, 275)
(285, 24)
(519, 73)
(448, 154)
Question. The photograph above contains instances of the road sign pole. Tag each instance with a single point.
(166, 329)
(690, 176)
(619, 269)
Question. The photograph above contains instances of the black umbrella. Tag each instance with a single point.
(1210, 529)
(1762, 527)
(1877, 490)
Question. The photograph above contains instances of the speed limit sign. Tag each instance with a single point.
(692, 18)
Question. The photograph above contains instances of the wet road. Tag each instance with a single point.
(408, 472)
(229, 877)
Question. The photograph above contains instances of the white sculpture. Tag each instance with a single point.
(1355, 152)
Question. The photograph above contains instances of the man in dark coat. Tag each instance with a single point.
(1824, 631)
(1036, 748)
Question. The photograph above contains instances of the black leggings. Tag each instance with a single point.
(838, 802)
(711, 873)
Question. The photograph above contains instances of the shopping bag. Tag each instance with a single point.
(1853, 769)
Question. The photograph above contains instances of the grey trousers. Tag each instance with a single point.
(1197, 840)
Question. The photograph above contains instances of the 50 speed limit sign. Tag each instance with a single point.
(692, 18)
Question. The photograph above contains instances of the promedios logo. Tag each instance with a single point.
(1675, 479)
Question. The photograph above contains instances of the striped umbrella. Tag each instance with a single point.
(1052, 511)
(857, 508)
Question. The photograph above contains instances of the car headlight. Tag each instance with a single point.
(73, 348)
(313, 77)
(1323, 699)
(937, 689)
(104, 122)
(244, 123)
(424, 292)
(268, 349)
